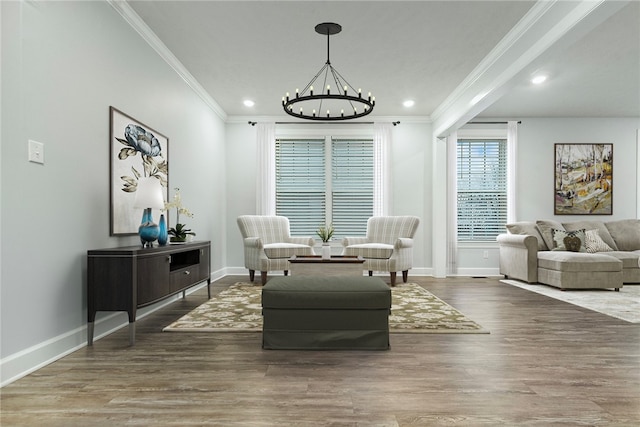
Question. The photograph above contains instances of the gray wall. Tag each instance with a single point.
(63, 65)
(536, 140)
(411, 181)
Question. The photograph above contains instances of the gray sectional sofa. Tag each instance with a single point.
(572, 255)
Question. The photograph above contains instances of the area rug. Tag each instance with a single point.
(624, 305)
(239, 309)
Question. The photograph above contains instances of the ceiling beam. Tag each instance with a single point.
(548, 27)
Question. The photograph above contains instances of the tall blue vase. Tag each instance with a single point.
(148, 230)
(164, 233)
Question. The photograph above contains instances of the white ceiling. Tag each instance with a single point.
(420, 50)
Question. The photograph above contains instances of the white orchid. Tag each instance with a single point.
(180, 231)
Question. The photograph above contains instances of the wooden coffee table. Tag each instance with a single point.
(337, 265)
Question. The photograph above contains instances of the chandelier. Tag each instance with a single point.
(343, 103)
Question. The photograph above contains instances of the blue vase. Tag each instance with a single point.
(164, 234)
(148, 230)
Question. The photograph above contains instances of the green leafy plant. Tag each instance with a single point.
(325, 232)
(180, 232)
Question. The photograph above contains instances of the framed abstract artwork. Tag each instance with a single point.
(136, 151)
(583, 179)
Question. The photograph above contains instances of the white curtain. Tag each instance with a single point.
(452, 204)
(381, 169)
(512, 160)
(266, 169)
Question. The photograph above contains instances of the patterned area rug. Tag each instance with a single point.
(413, 310)
(624, 304)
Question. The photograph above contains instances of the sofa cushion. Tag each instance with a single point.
(629, 260)
(594, 243)
(577, 261)
(603, 232)
(626, 234)
(545, 227)
(528, 228)
(572, 241)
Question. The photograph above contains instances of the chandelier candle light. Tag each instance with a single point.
(346, 97)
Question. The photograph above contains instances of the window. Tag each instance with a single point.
(322, 181)
(482, 189)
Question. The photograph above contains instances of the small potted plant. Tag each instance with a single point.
(180, 233)
(325, 233)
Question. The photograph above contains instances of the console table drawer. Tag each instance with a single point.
(180, 279)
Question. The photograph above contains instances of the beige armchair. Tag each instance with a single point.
(388, 245)
(268, 244)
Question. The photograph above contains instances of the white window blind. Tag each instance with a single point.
(482, 189)
(301, 184)
(325, 181)
(352, 186)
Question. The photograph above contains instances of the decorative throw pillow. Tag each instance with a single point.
(603, 232)
(572, 241)
(594, 243)
(545, 227)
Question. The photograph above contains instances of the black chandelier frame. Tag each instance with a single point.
(368, 103)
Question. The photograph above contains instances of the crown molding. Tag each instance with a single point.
(134, 20)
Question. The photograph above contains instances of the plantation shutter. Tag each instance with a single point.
(301, 184)
(352, 186)
(482, 189)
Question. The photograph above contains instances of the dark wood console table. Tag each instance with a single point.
(127, 278)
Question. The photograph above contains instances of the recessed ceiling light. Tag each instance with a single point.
(538, 79)
(409, 103)
(249, 103)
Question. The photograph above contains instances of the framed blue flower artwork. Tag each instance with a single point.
(136, 151)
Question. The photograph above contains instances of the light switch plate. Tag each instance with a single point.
(36, 152)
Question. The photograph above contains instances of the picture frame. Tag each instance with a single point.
(583, 179)
(136, 150)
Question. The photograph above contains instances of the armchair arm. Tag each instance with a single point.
(519, 256)
(306, 240)
(350, 240)
(253, 242)
(403, 242)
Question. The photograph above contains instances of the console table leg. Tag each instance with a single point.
(209, 287)
(132, 333)
(90, 333)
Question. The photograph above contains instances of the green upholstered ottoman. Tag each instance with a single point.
(326, 313)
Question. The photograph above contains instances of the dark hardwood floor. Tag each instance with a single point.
(545, 363)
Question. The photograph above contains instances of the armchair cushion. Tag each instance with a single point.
(285, 250)
(370, 250)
